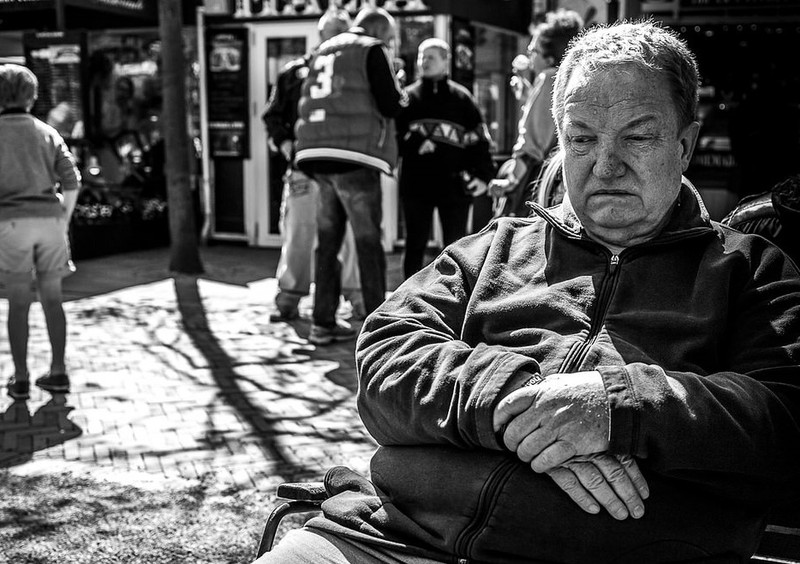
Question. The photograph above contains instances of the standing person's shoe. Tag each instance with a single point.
(326, 335)
(359, 310)
(54, 382)
(18, 390)
(285, 315)
(287, 307)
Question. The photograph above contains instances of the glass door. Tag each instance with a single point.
(273, 45)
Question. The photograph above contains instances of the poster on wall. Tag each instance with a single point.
(228, 119)
(58, 61)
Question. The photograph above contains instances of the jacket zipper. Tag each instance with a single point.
(578, 354)
(486, 502)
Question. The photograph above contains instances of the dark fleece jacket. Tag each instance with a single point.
(696, 335)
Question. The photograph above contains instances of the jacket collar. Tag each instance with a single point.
(434, 85)
(10, 111)
(689, 216)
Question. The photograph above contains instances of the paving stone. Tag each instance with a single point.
(186, 378)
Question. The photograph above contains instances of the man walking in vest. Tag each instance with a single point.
(345, 140)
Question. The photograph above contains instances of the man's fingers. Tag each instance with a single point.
(618, 478)
(568, 481)
(509, 407)
(596, 483)
(635, 475)
(550, 456)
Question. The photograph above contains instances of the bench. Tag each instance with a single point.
(779, 545)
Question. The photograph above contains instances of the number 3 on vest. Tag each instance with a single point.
(323, 84)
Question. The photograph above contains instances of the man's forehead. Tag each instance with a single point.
(617, 87)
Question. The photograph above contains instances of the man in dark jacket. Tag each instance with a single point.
(345, 141)
(614, 380)
(300, 194)
(444, 150)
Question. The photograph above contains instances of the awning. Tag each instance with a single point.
(48, 15)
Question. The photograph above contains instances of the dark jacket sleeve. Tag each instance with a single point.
(411, 360)
(385, 87)
(735, 431)
(281, 112)
(478, 156)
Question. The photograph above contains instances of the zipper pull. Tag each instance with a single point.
(612, 268)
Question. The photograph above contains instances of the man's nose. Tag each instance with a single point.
(608, 163)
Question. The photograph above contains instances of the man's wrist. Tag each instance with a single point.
(535, 379)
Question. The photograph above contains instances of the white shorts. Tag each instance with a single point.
(34, 245)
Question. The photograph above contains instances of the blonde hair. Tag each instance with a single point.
(18, 86)
(435, 43)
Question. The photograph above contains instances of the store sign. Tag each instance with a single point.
(57, 60)
(228, 87)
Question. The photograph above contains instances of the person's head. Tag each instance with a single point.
(332, 23)
(433, 58)
(19, 87)
(550, 38)
(378, 23)
(624, 103)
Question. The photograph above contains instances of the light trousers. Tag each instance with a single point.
(298, 226)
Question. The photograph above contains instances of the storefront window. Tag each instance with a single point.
(124, 106)
(494, 51)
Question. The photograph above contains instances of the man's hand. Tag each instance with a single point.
(500, 187)
(564, 416)
(477, 187)
(602, 480)
(286, 150)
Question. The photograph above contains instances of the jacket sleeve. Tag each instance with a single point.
(477, 153)
(384, 85)
(65, 167)
(735, 431)
(281, 112)
(419, 383)
(537, 131)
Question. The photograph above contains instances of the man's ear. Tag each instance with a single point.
(688, 139)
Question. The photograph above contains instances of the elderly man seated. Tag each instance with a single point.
(614, 380)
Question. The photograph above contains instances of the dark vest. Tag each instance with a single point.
(338, 117)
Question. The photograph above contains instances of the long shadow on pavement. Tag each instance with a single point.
(223, 372)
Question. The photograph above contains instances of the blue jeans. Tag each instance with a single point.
(299, 232)
(353, 195)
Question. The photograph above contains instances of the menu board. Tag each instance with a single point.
(56, 58)
(228, 119)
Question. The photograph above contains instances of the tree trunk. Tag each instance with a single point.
(184, 251)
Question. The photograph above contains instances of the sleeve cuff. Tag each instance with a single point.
(622, 408)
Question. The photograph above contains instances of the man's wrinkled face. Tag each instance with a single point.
(624, 152)
(432, 62)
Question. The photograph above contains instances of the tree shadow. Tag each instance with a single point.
(22, 434)
(228, 382)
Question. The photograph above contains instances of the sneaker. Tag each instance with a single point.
(54, 382)
(326, 335)
(285, 315)
(18, 390)
(359, 311)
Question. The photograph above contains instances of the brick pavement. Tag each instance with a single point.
(185, 378)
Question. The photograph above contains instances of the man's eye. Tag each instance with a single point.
(580, 139)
